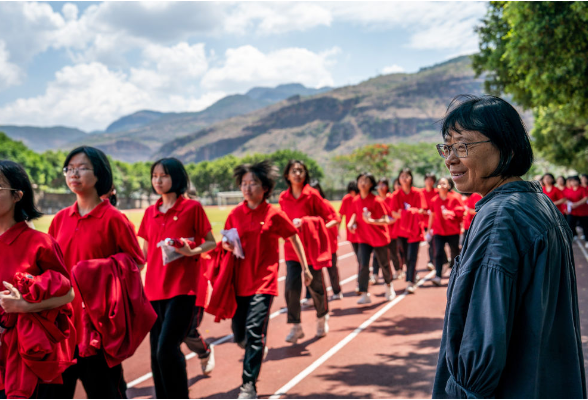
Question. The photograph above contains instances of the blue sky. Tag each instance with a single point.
(85, 64)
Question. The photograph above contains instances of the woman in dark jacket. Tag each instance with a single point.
(512, 326)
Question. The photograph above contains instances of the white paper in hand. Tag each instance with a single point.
(232, 237)
(169, 253)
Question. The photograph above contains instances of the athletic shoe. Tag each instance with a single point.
(401, 275)
(207, 363)
(411, 287)
(295, 334)
(394, 275)
(430, 266)
(390, 292)
(373, 279)
(436, 281)
(247, 391)
(265, 351)
(364, 299)
(322, 326)
(308, 303)
(337, 296)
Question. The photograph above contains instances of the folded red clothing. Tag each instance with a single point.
(316, 242)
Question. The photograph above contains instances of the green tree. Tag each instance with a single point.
(538, 53)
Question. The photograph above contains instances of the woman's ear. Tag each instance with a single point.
(18, 194)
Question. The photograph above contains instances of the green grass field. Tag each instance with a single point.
(216, 215)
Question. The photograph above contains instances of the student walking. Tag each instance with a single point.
(554, 194)
(172, 287)
(429, 191)
(346, 211)
(577, 208)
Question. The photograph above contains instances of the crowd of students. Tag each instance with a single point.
(87, 268)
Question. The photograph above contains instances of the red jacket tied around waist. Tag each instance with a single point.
(316, 242)
(116, 315)
(36, 347)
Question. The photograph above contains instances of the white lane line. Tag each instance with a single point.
(230, 336)
(298, 378)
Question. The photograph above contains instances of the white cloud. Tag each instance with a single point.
(246, 66)
(10, 74)
(392, 69)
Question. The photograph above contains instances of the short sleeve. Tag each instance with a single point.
(320, 208)
(50, 257)
(282, 225)
(201, 223)
(143, 228)
(344, 206)
(380, 209)
(126, 239)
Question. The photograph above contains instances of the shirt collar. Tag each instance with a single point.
(97, 212)
(306, 190)
(177, 207)
(10, 235)
(511, 187)
(262, 206)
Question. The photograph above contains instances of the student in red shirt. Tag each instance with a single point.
(556, 195)
(333, 271)
(346, 211)
(410, 199)
(260, 226)
(172, 288)
(576, 205)
(91, 229)
(24, 250)
(445, 224)
(560, 183)
(470, 211)
(370, 214)
(300, 200)
(429, 191)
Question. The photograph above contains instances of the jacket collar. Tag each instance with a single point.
(13, 233)
(97, 212)
(511, 187)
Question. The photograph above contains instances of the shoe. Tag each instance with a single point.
(390, 292)
(207, 363)
(395, 276)
(322, 326)
(373, 280)
(411, 288)
(308, 303)
(364, 299)
(337, 296)
(247, 391)
(436, 281)
(401, 275)
(430, 266)
(265, 351)
(295, 334)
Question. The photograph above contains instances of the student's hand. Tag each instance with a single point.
(307, 277)
(185, 250)
(297, 222)
(367, 216)
(11, 300)
(228, 247)
(352, 227)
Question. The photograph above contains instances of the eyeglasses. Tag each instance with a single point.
(76, 171)
(252, 185)
(14, 190)
(459, 149)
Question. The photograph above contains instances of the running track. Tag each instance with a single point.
(380, 350)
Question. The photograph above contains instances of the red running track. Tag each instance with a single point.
(380, 350)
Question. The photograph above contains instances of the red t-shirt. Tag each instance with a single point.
(388, 201)
(309, 204)
(101, 233)
(185, 219)
(470, 204)
(451, 224)
(259, 231)
(556, 195)
(428, 197)
(347, 211)
(374, 235)
(574, 196)
(403, 201)
(334, 230)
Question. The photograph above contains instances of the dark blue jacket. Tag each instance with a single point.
(512, 326)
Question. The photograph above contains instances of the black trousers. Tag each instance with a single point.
(392, 253)
(250, 326)
(168, 364)
(365, 252)
(99, 380)
(317, 290)
(411, 253)
(440, 255)
(574, 220)
(333, 277)
(193, 340)
(431, 249)
(356, 251)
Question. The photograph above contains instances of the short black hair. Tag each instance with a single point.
(496, 119)
(316, 185)
(100, 164)
(370, 177)
(562, 177)
(352, 187)
(175, 169)
(574, 178)
(449, 180)
(290, 165)
(430, 175)
(265, 171)
(406, 171)
(384, 181)
(18, 179)
(549, 175)
(584, 176)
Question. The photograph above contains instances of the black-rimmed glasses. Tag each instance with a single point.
(459, 149)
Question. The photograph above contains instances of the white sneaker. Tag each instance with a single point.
(322, 326)
(337, 296)
(247, 391)
(401, 275)
(295, 334)
(207, 364)
(390, 292)
(430, 266)
(436, 281)
(364, 299)
(411, 288)
(308, 303)
(265, 351)
(373, 279)
(394, 275)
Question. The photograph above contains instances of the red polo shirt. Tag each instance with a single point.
(374, 235)
(334, 230)
(574, 196)
(309, 204)
(347, 211)
(26, 250)
(428, 197)
(388, 201)
(556, 195)
(401, 201)
(450, 225)
(471, 204)
(101, 233)
(259, 231)
(185, 219)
